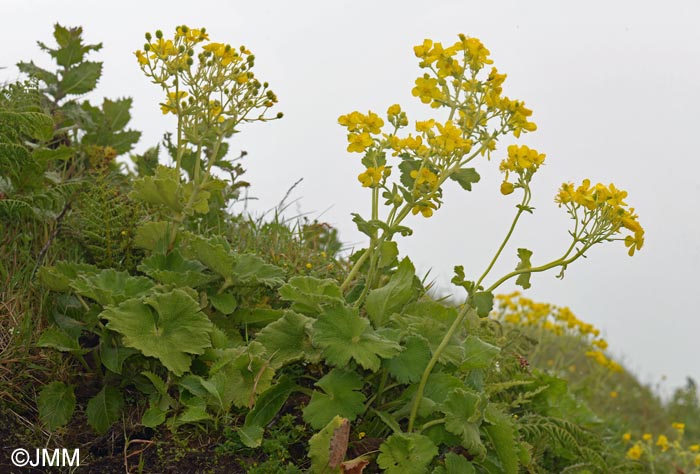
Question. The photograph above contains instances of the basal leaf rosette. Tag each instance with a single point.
(600, 214)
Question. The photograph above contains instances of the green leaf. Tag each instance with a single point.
(195, 412)
(168, 326)
(215, 253)
(457, 464)
(266, 408)
(388, 253)
(384, 301)
(466, 177)
(157, 235)
(161, 189)
(430, 321)
(226, 303)
(287, 340)
(58, 339)
(463, 409)
(406, 453)
(478, 354)
(104, 409)
(34, 71)
(308, 294)
(252, 269)
(173, 269)
(320, 447)
(483, 302)
(408, 366)
(523, 279)
(239, 376)
(110, 287)
(56, 404)
(340, 396)
(80, 79)
(114, 355)
(60, 276)
(344, 335)
(500, 430)
(153, 416)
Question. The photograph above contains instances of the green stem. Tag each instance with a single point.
(433, 361)
(505, 240)
(430, 423)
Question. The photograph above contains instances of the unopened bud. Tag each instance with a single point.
(159, 34)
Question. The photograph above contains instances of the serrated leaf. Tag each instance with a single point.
(266, 408)
(253, 269)
(430, 321)
(382, 302)
(478, 354)
(406, 453)
(215, 253)
(196, 412)
(239, 376)
(463, 409)
(344, 335)
(483, 302)
(407, 166)
(113, 356)
(340, 396)
(104, 409)
(153, 416)
(60, 276)
(500, 430)
(226, 303)
(57, 339)
(168, 326)
(287, 339)
(320, 447)
(173, 269)
(110, 287)
(80, 79)
(523, 279)
(56, 404)
(157, 235)
(456, 464)
(408, 366)
(163, 189)
(309, 294)
(466, 177)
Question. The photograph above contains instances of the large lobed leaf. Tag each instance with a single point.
(340, 396)
(167, 326)
(344, 335)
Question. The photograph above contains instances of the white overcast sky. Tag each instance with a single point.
(615, 89)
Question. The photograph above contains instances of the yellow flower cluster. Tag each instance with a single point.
(361, 127)
(523, 161)
(212, 89)
(605, 205)
(517, 309)
(679, 453)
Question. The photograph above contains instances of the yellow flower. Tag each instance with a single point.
(507, 188)
(680, 427)
(694, 448)
(635, 452)
(394, 110)
(627, 437)
(309, 266)
(613, 394)
(662, 442)
(425, 179)
(427, 90)
(635, 242)
(141, 57)
(174, 98)
(647, 436)
(601, 344)
(696, 461)
(358, 142)
(371, 177)
(425, 208)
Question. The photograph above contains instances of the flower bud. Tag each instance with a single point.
(507, 188)
(159, 34)
(148, 37)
